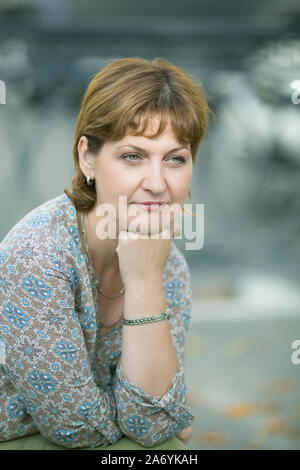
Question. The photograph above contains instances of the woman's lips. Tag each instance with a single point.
(151, 207)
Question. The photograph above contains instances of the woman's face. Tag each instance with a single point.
(154, 172)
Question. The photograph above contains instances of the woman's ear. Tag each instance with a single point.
(86, 159)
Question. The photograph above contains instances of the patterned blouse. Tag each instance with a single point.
(57, 376)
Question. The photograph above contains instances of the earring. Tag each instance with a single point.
(89, 181)
(184, 210)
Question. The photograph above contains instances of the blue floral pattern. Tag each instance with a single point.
(44, 383)
(16, 407)
(36, 287)
(66, 351)
(15, 315)
(60, 377)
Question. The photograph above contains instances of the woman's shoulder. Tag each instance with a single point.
(44, 220)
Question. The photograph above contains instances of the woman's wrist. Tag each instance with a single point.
(152, 283)
(144, 300)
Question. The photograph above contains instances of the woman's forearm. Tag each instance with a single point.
(148, 358)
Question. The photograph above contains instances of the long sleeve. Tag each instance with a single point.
(147, 419)
(47, 382)
(57, 377)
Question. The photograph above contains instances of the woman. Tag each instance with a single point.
(78, 367)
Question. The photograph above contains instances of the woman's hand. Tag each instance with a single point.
(186, 434)
(143, 259)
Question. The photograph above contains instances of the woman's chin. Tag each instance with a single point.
(148, 224)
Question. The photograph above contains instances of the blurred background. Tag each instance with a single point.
(243, 386)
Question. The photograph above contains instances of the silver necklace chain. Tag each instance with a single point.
(83, 230)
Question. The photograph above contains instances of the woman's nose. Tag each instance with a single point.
(155, 180)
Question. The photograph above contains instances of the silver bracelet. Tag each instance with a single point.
(165, 315)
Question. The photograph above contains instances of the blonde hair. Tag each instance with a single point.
(126, 91)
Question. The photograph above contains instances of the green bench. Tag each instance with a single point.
(39, 442)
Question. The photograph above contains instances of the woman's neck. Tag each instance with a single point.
(102, 251)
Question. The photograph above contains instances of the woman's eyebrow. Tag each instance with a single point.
(144, 150)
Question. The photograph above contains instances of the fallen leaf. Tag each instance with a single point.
(241, 410)
(213, 437)
(280, 386)
(277, 425)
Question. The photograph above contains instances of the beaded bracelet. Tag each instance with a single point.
(165, 315)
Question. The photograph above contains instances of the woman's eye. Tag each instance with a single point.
(180, 160)
(130, 155)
